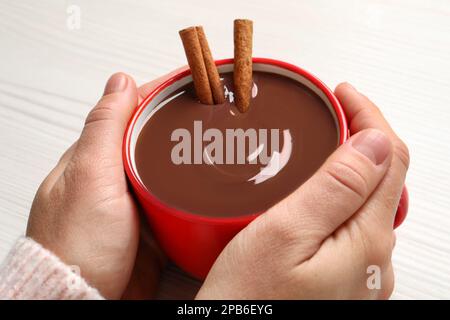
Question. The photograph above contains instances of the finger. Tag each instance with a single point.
(144, 279)
(361, 265)
(338, 189)
(363, 114)
(150, 262)
(105, 125)
(147, 88)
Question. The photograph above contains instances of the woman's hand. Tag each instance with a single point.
(325, 239)
(84, 211)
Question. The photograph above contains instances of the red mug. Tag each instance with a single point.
(193, 241)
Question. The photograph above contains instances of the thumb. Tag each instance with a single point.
(106, 123)
(338, 189)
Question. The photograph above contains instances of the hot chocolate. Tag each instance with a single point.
(213, 160)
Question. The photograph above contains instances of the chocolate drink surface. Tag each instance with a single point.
(193, 157)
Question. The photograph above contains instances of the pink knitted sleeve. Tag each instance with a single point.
(32, 272)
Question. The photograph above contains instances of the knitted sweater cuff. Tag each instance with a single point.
(32, 272)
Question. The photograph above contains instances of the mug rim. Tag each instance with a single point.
(142, 191)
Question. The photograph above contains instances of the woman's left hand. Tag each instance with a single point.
(84, 211)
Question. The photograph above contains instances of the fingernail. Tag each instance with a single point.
(117, 83)
(373, 144)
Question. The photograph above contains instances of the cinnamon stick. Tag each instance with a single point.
(196, 63)
(242, 75)
(211, 69)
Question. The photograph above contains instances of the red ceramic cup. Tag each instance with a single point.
(193, 241)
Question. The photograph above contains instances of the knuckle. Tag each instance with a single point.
(98, 115)
(281, 229)
(284, 227)
(346, 177)
(278, 228)
(104, 111)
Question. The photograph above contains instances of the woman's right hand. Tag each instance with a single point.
(333, 237)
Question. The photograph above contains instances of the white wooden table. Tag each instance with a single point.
(397, 52)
